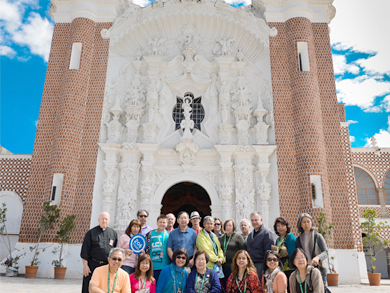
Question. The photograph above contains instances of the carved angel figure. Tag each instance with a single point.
(156, 46)
(226, 47)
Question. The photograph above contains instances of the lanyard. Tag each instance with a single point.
(300, 283)
(238, 286)
(159, 240)
(197, 284)
(215, 247)
(113, 287)
(225, 245)
(139, 283)
(246, 238)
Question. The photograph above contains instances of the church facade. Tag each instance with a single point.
(186, 105)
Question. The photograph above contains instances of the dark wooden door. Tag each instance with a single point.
(186, 196)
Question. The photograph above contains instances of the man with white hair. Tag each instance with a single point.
(245, 227)
(111, 278)
(96, 247)
(259, 241)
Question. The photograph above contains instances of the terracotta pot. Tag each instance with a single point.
(333, 279)
(59, 273)
(31, 271)
(374, 279)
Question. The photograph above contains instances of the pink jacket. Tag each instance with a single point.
(131, 260)
(134, 283)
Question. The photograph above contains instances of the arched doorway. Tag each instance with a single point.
(186, 196)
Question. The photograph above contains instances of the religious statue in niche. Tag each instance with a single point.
(187, 124)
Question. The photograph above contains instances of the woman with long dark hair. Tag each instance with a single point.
(244, 276)
(143, 276)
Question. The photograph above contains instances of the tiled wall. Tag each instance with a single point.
(14, 174)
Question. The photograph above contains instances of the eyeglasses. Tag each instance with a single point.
(116, 259)
(143, 216)
(181, 257)
(272, 259)
(300, 257)
(217, 224)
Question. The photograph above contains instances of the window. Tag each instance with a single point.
(76, 56)
(316, 191)
(365, 187)
(197, 111)
(387, 188)
(56, 189)
(303, 56)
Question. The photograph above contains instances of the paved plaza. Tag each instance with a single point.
(23, 285)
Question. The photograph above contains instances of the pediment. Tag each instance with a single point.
(135, 28)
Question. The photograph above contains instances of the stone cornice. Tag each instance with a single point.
(65, 11)
(317, 11)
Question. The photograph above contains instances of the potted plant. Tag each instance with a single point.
(11, 262)
(50, 216)
(63, 235)
(372, 242)
(325, 230)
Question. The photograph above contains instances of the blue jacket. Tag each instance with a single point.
(257, 246)
(214, 280)
(165, 281)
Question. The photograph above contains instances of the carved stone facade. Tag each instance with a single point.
(184, 58)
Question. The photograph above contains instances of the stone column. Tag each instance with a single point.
(151, 128)
(226, 128)
(245, 192)
(264, 187)
(147, 176)
(382, 201)
(110, 182)
(126, 203)
(226, 180)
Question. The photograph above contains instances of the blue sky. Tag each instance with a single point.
(360, 53)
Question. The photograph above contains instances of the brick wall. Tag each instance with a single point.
(68, 128)
(14, 173)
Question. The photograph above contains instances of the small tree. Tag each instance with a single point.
(63, 235)
(325, 230)
(10, 261)
(51, 214)
(372, 239)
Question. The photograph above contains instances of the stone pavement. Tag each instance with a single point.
(23, 285)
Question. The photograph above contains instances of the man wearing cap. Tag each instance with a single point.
(195, 220)
(96, 247)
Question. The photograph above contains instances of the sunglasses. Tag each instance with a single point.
(181, 257)
(272, 259)
(217, 224)
(143, 216)
(116, 259)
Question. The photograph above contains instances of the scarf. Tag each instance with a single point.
(178, 276)
(269, 279)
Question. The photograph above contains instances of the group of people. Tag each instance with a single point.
(212, 259)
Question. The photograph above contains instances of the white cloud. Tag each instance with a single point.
(142, 3)
(361, 91)
(33, 32)
(340, 65)
(7, 51)
(36, 34)
(359, 26)
(353, 121)
(352, 138)
(386, 104)
(382, 138)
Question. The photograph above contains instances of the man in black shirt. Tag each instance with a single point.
(96, 247)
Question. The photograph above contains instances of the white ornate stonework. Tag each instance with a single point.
(176, 51)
